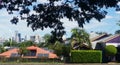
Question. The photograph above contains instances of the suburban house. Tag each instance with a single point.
(107, 39)
(33, 52)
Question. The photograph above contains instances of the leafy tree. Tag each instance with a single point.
(117, 32)
(22, 48)
(6, 43)
(22, 51)
(11, 43)
(118, 23)
(51, 39)
(79, 37)
(26, 44)
(49, 14)
(47, 38)
(100, 33)
(2, 48)
(42, 44)
(58, 48)
(66, 50)
(110, 52)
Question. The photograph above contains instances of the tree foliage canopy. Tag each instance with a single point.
(117, 32)
(79, 38)
(49, 14)
(118, 23)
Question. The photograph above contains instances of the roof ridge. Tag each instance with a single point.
(113, 36)
(93, 39)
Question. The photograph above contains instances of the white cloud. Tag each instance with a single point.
(4, 13)
(94, 24)
(72, 24)
(46, 1)
(42, 1)
(118, 12)
(69, 24)
(118, 3)
(109, 17)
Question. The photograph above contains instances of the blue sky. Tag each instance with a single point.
(107, 24)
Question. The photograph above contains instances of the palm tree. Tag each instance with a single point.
(79, 38)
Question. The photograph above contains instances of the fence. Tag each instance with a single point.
(2, 59)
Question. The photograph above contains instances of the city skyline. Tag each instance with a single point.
(108, 24)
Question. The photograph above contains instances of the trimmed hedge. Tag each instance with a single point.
(86, 56)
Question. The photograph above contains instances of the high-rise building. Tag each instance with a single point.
(37, 38)
(32, 38)
(17, 36)
(25, 38)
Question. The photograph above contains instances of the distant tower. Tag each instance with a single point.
(32, 38)
(37, 38)
(17, 36)
(25, 38)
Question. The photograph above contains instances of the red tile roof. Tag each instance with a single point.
(9, 52)
(38, 51)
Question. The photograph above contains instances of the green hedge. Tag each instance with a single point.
(110, 50)
(86, 56)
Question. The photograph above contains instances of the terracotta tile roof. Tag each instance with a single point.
(32, 48)
(42, 51)
(51, 55)
(38, 51)
(9, 52)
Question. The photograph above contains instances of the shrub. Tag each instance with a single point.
(86, 56)
(110, 50)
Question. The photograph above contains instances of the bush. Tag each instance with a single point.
(110, 50)
(86, 56)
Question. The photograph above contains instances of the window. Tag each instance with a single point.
(30, 53)
(15, 55)
(46, 55)
(43, 55)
